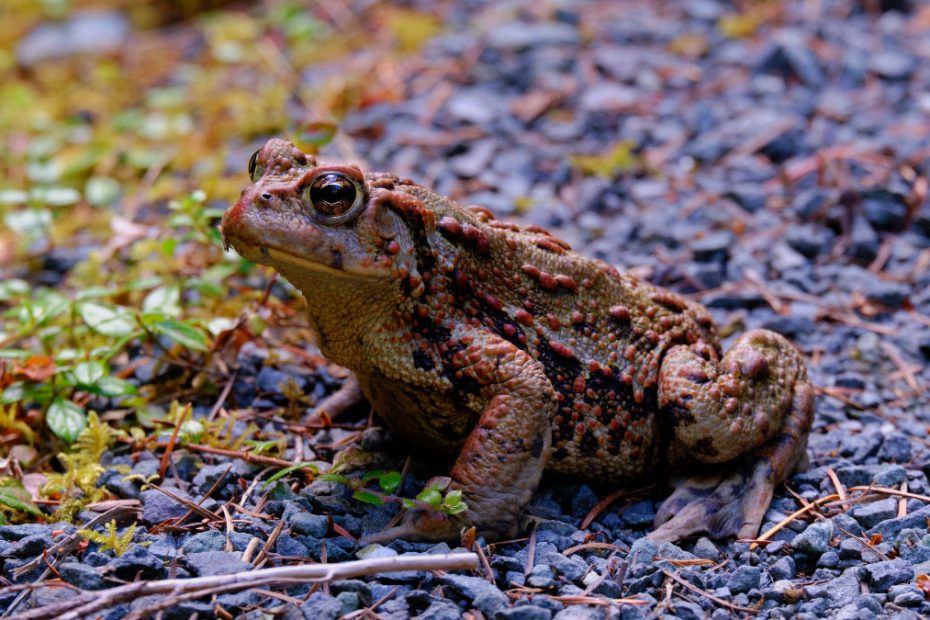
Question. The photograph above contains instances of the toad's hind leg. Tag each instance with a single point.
(751, 414)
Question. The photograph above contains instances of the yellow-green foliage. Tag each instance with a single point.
(111, 540)
(77, 484)
(620, 158)
(9, 421)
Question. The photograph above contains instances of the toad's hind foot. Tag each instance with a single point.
(720, 505)
(735, 504)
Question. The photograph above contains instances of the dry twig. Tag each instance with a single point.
(82, 605)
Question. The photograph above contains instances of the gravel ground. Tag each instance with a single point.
(780, 178)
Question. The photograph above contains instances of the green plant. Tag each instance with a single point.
(111, 539)
(77, 486)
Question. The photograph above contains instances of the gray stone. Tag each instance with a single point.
(744, 579)
(871, 514)
(136, 563)
(883, 575)
(158, 507)
(542, 576)
(839, 590)
(438, 610)
(211, 563)
(306, 524)
(28, 547)
(782, 568)
(580, 612)
(524, 612)
(890, 528)
(475, 589)
(829, 559)
(815, 539)
(521, 35)
(321, 606)
(82, 576)
(705, 549)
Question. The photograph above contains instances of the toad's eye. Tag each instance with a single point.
(333, 194)
(255, 169)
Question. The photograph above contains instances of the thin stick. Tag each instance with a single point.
(166, 457)
(794, 515)
(708, 595)
(902, 501)
(81, 606)
(840, 489)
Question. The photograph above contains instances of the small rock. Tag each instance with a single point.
(541, 576)
(136, 563)
(889, 528)
(791, 56)
(830, 559)
(307, 524)
(82, 576)
(521, 35)
(839, 590)
(748, 196)
(321, 606)
(475, 589)
(892, 65)
(212, 563)
(713, 246)
(705, 549)
(158, 507)
(871, 514)
(896, 448)
(814, 540)
(523, 612)
(28, 547)
(744, 579)
(783, 568)
(883, 575)
(906, 595)
(639, 514)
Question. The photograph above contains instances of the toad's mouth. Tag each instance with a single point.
(278, 258)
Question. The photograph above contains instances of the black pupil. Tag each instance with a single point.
(332, 194)
(253, 163)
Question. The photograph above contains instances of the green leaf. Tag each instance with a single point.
(456, 509)
(14, 354)
(13, 197)
(431, 497)
(368, 497)
(287, 470)
(114, 386)
(66, 419)
(390, 481)
(88, 373)
(101, 191)
(55, 196)
(408, 503)
(338, 478)
(183, 333)
(22, 391)
(106, 320)
(13, 495)
(452, 498)
(164, 299)
(13, 288)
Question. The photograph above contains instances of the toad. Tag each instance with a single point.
(499, 347)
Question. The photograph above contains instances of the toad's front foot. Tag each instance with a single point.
(420, 524)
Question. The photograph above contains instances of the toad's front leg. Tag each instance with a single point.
(751, 414)
(502, 460)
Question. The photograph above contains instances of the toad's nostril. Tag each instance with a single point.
(266, 197)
